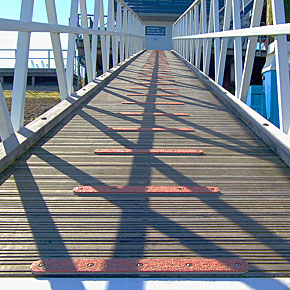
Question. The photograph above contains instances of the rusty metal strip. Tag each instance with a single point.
(154, 95)
(149, 151)
(146, 88)
(146, 189)
(152, 103)
(152, 114)
(135, 266)
(156, 83)
(149, 129)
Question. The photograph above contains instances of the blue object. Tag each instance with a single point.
(256, 99)
(271, 93)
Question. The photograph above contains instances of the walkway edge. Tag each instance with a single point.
(17, 144)
(270, 134)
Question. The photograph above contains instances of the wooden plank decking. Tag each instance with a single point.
(40, 217)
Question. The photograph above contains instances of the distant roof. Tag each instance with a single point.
(159, 6)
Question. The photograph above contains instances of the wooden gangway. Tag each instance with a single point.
(248, 218)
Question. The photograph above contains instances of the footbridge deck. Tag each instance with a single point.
(248, 218)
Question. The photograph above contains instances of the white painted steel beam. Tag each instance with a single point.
(87, 44)
(21, 67)
(237, 47)
(73, 20)
(94, 50)
(282, 69)
(224, 43)
(57, 50)
(6, 128)
(251, 51)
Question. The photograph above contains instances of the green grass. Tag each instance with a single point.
(33, 94)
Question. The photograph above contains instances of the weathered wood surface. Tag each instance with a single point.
(40, 217)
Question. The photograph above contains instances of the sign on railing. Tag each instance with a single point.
(195, 34)
(124, 34)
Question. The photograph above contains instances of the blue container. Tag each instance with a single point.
(256, 99)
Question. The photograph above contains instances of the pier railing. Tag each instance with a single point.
(196, 33)
(123, 34)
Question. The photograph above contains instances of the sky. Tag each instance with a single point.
(10, 9)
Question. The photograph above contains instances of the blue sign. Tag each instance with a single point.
(155, 30)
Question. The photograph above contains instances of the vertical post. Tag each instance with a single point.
(224, 43)
(71, 46)
(125, 30)
(58, 57)
(198, 42)
(87, 45)
(6, 128)
(129, 29)
(216, 28)
(204, 30)
(122, 38)
(94, 51)
(192, 41)
(251, 50)
(21, 66)
(209, 41)
(118, 29)
(103, 38)
(111, 28)
(281, 55)
(237, 47)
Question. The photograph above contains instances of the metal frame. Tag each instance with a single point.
(207, 28)
(126, 28)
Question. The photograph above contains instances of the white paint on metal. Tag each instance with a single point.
(87, 42)
(251, 51)
(94, 50)
(282, 69)
(71, 46)
(6, 128)
(57, 50)
(21, 67)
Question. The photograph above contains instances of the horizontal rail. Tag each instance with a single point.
(269, 30)
(23, 26)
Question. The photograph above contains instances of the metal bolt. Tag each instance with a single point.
(238, 264)
(90, 264)
(179, 188)
(41, 265)
(188, 264)
(139, 265)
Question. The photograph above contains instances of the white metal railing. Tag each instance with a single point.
(194, 31)
(124, 33)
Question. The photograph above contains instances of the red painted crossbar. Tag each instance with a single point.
(146, 189)
(149, 151)
(153, 103)
(153, 95)
(148, 129)
(155, 83)
(146, 88)
(152, 114)
(135, 266)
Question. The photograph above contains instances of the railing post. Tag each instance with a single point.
(216, 40)
(251, 51)
(94, 51)
(87, 45)
(71, 46)
(118, 29)
(237, 47)
(21, 67)
(281, 56)
(224, 43)
(103, 37)
(203, 30)
(6, 128)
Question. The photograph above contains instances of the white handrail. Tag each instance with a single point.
(206, 28)
(118, 30)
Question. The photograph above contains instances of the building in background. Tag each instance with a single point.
(158, 16)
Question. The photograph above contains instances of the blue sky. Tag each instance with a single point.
(11, 9)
